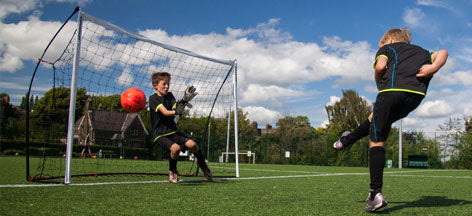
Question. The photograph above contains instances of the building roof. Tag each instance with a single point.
(110, 121)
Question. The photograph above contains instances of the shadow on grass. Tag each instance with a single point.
(425, 201)
(201, 182)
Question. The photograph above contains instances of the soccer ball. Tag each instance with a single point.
(133, 100)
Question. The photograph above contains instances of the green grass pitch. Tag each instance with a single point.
(262, 190)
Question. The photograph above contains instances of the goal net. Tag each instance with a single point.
(87, 77)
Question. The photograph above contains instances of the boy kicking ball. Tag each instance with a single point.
(402, 73)
(163, 109)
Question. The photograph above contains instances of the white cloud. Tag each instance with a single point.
(10, 63)
(434, 3)
(268, 56)
(438, 4)
(262, 115)
(27, 40)
(126, 78)
(17, 97)
(333, 100)
(16, 6)
(434, 109)
(371, 89)
(413, 17)
(454, 78)
(15, 86)
(442, 93)
(21, 6)
(269, 60)
(258, 94)
(413, 123)
(464, 77)
(468, 111)
(324, 124)
(78, 2)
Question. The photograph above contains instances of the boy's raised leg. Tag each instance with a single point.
(348, 138)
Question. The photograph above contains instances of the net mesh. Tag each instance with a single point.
(111, 61)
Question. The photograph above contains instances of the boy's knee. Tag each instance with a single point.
(376, 144)
(174, 150)
(192, 145)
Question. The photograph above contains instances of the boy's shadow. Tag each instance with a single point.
(202, 181)
(426, 201)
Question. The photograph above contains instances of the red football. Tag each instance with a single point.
(133, 100)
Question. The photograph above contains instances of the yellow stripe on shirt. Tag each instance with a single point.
(403, 90)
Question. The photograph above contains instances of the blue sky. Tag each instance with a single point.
(294, 57)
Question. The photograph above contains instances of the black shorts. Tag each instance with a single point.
(388, 108)
(169, 140)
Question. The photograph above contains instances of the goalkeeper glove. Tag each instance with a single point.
(179, 108)
(189, 94)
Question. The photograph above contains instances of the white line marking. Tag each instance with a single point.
(266, 170)
(390, 173)
(425, 176)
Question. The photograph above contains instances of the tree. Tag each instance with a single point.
(347, 114)
(197, 129)
(465, 151)
(5, 113)
(465, 146)
(449, 140)
(31, 102)
(23, 102)
(294, 134)
(51, 112)
(107, 102)
(468, 124)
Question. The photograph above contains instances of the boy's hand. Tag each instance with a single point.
(189, 94)
(179, 108)
(427, 70)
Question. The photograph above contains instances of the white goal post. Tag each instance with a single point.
(144, 56)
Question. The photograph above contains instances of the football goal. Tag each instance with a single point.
(251, 156)
(78, 128)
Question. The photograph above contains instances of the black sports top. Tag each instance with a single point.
(162, 125)
(403, 63)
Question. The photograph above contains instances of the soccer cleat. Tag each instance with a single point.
(338, 144)
(376, 203)
(173, 177)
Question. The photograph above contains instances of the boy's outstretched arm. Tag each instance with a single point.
(439, 59)
(166, 112)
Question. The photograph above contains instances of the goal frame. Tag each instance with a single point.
(75, 71)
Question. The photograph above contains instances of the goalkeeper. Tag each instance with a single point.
(163, 109)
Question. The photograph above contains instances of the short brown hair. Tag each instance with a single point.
(158, 76)
(399, 35)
